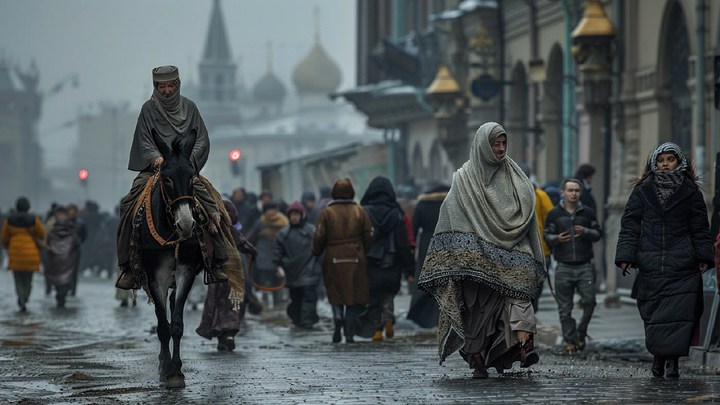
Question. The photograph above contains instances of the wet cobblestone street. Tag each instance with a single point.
(94, 352)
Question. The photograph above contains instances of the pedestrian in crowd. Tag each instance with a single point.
(543, 205)
(390, 257)
(312, 218)
(570, 230)
(665, 234)
(266, 196)
(485, 263)
(552, 189)
(308, 200)
(238, 200)
(92, 218)
(48, 226)
(325, 198)
(82, 231)
(218, 318)
(585, 173)
(424, 310)
(21, 233)
(344, 234)
(262, 236)
(63, 244)
(293, 252)
(252, 212)
(172, 118)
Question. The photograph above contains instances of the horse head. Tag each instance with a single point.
(176, 177)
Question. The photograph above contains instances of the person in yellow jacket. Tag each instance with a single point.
(543, 205)
(19, 234)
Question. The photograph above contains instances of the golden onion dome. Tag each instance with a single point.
(316, 72)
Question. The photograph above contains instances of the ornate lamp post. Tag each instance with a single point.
(593, 49)
(449, 104)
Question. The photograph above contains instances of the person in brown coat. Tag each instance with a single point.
(345, 234)
(19, 232)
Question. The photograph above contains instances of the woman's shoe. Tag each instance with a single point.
(672, 368)
(377, 335)
(480, 371)
(528, 355)
(658, 367)
(337, 336)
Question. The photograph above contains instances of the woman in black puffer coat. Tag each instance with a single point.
(665, 235)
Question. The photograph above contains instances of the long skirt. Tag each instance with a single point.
(218, 317)
(491, 321)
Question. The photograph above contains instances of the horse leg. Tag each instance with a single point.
(183, 282)
(158, 283)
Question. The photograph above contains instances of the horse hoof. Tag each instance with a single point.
(176, 381)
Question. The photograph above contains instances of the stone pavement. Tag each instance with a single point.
(94, 352)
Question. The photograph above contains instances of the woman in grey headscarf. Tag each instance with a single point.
(485, 262)
(666, 236)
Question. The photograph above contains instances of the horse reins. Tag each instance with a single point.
(168, 203)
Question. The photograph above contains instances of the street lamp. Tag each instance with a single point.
(449, 103)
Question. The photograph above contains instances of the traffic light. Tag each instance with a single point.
(83, 176)
(235, 162)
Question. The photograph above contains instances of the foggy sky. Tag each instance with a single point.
(113, 44)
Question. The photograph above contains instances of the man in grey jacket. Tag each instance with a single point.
(293, 252)
(570, 230)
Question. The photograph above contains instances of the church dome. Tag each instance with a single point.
(317, 73)
(269, 89)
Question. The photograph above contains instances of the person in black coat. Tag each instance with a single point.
(389, 258)
(424, 310)
(666, 236)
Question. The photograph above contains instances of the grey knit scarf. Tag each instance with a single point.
(172, 108)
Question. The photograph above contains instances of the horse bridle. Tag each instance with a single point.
(169, 202)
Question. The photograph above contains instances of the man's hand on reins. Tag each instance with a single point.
(157, 162)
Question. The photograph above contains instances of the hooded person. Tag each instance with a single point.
(172, 117)
(665, 235)
(485, 262)
(63, 243)
(21, 232)
(293, 252)
(389, 258)
(262, 235)
(344, 234)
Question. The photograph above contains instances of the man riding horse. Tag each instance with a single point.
(171, 116)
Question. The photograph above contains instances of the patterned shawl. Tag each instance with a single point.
(487, 233)
(667, 182)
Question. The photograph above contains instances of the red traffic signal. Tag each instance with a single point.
(235, 155)
(83, 174)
